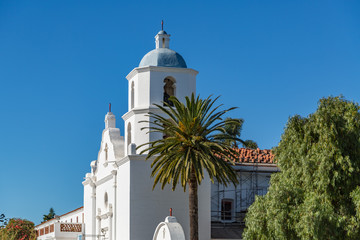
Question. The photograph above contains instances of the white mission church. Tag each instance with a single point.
(119, 203)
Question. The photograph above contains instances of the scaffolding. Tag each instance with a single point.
(229, 204)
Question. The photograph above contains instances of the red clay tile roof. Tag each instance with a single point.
(247, 155)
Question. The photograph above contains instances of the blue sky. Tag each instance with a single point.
(62, 62)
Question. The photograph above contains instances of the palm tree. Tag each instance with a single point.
(233, 127)
(194, 142)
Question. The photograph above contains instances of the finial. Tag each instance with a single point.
(170, 212)
(109, 107)
(162, 24)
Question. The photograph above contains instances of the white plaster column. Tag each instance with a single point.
(114, 173)
(93, 204)
(99, 222)
(110, 217)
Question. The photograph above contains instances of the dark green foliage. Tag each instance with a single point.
(233, 127)
(250, 144)
(3, 220)
(316, 195)
(49, 216)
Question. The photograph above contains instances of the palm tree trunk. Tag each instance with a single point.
(193, 207)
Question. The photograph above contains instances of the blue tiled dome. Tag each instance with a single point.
(163, 57)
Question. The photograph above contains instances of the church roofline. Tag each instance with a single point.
(60, 216)
(159, 69)
(247, 155)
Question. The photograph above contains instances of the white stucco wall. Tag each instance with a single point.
(123, 200)
(149, 207)
(89, 206)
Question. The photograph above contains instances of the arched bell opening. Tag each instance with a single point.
(169, 90)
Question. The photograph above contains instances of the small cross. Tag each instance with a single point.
(162, 24)
(109, 107)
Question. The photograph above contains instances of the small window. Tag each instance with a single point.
(77, 219)
(226, 209)
(169, 90)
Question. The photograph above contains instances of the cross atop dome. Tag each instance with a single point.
(162, 39)
(162, 55)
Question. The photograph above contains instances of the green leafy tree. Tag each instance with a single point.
(316, 195)
(49, 216)
(18, 229)
(194, 142)
(233, 127)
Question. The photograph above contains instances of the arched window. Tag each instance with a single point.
(132, 95)
(129, 134)
(169, 90)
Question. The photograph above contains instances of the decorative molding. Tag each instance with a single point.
(104, 216)
(159, 69)
(138, 110)
(104, 179)
(89, 181)
(122, 161)
(137, 157)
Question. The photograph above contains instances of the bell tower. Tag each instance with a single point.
(119, 200)
(161, 73)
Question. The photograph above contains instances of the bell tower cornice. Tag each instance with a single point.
(134, 111)
(160, 69)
